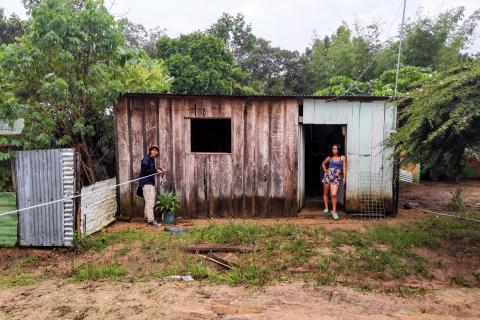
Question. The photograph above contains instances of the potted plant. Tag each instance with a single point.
(167, 203)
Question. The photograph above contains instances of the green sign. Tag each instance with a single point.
(7, 128)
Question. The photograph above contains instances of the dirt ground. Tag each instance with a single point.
(436, 195)
(61, 298)
(159, 300)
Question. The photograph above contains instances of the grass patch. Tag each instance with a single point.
(461, 281)
(381, 253)
(402, 237)
(250, 276)
(103, 240)
(230, 233)
(453, 228)
(300, 250)
(8, 223)
(477, 274)
(340, 237)
(18, 280)
(90, 271)
(242, 233)
(199, 271)
(124, 250)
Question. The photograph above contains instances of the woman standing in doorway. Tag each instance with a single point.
(334, 175)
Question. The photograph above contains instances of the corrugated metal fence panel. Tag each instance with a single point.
(68, 168)
(44, 176)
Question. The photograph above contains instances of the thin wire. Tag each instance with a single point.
(402, 30)
(75, 196)
(372, 61)
(447, 215)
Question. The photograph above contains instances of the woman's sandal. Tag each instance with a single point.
(335, 216)
(326, 210)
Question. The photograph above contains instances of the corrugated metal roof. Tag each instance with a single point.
(172, 95)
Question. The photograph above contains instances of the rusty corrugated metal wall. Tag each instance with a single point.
(258, 178)
(44, 176)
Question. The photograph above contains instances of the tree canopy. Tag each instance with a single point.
(63, 76)
(201, 64)
(384, 85)
(10, 27)
(440, 120)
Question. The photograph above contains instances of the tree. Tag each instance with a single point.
(144, 74)
(137, 35)
(438, 42)
(10, 28)
(235, 34)
(63, 77)
(345, 53)
(440, 120)
(384, 85)
(201, 65)
(433, 42)
(277, 71)
(274, 70)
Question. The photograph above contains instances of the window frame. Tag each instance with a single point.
(189, 137)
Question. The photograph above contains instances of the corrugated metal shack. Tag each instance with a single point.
(250, 156)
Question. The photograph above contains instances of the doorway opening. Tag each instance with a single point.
(319, 140)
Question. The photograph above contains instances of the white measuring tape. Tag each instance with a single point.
(75, 196)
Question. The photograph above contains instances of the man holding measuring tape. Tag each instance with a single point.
(146, 186)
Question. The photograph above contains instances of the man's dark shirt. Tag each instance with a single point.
(147, 168)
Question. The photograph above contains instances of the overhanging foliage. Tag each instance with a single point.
(441, 120)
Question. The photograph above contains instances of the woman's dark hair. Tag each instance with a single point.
(339, 147)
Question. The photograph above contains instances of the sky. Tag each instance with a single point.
(289, 24)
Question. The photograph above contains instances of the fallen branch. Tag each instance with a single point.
(217, 261)
(211, 247)
(224, 258)
(300, 270)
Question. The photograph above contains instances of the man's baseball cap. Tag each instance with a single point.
(153, 146)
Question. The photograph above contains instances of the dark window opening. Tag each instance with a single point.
(300, 110)
(211, 135)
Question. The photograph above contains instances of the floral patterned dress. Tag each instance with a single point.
(333, 175)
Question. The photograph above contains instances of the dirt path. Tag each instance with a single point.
(156, 300)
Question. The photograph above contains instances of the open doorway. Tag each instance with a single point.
(319, 140)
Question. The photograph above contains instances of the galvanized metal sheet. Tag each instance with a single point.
(368, 123)
(44, 176)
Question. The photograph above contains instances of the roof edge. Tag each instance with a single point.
(172, 95)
